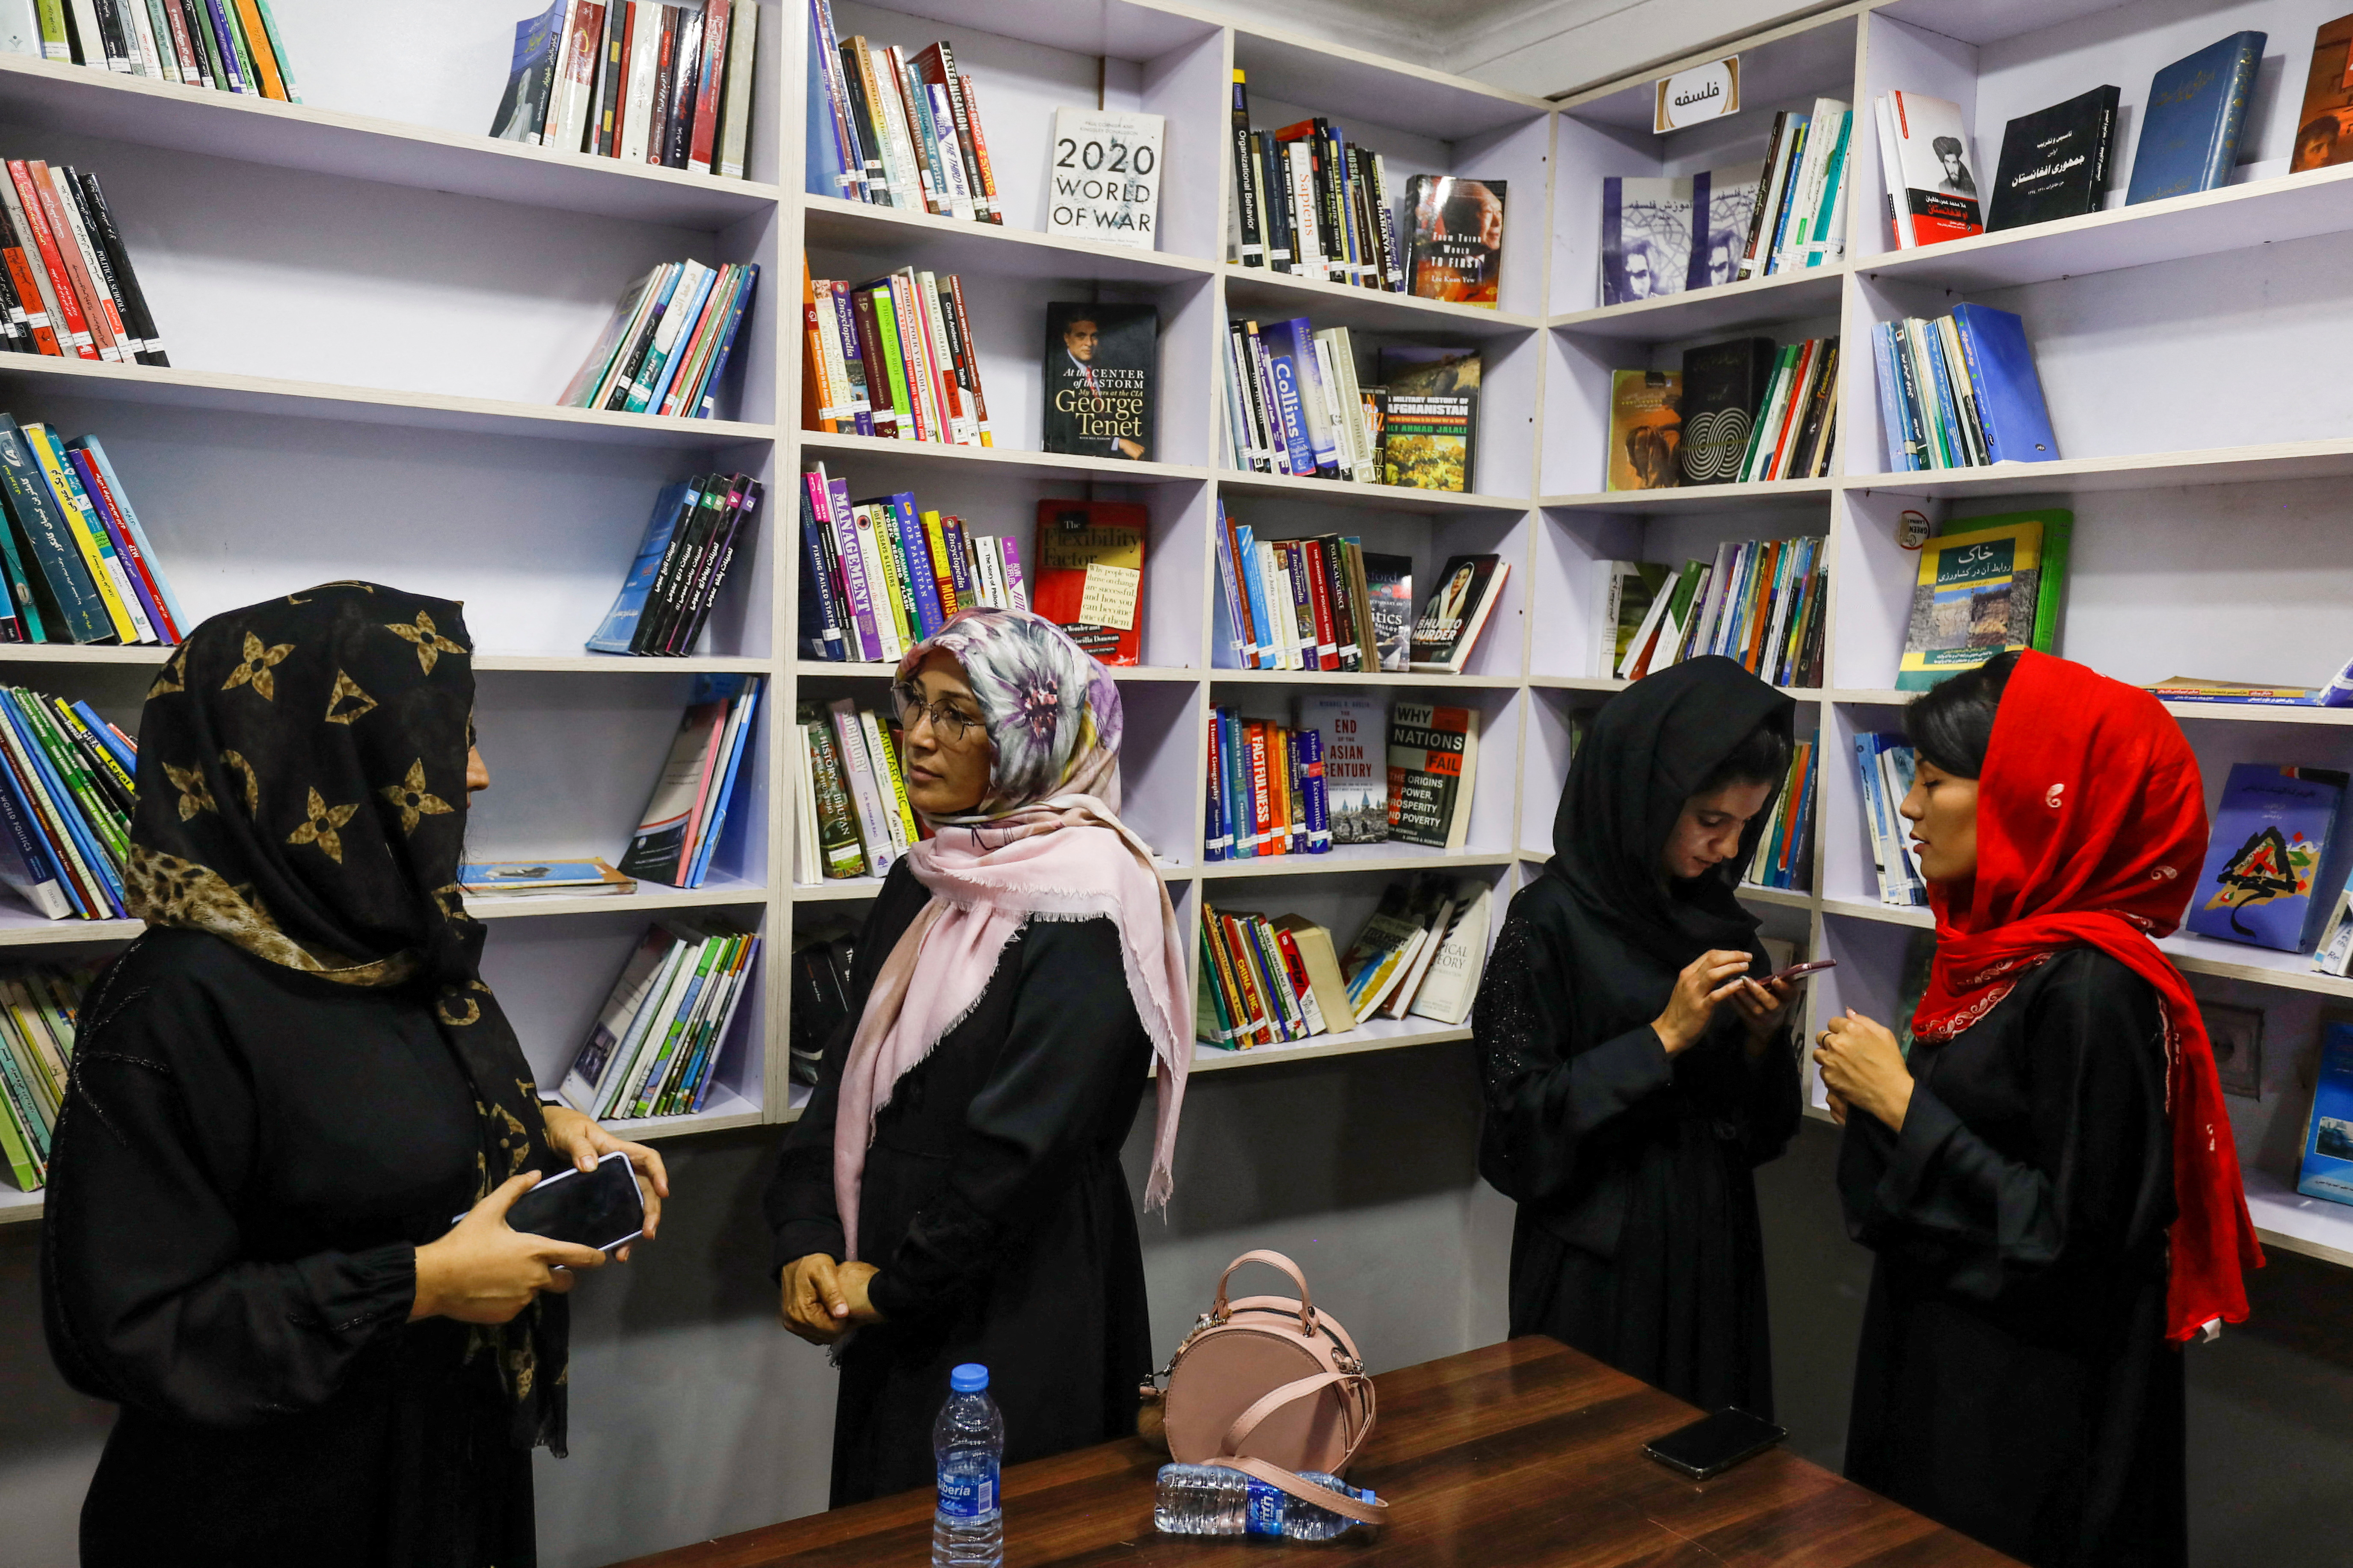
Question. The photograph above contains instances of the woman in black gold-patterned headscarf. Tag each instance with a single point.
(282, 1091)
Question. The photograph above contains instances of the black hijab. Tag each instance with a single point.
(302, 795)
(1650, 747)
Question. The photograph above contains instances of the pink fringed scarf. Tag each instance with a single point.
(1053, 716)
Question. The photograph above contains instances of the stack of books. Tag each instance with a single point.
(1351, 771)
(854, 819)
(893, 358)
(879, 576)
(587, 879)
(78, 565)
(667, 346)
(654, 1049)
(1737, 412)
(66, 787)
(1784, 855)
(1960, 392)
(1295, 404)
(1883, 765)
(1323, 602)
(67, 286)
(1763, 602)
(1420, 954)
(229, 46)
(688, 813)
(681, 563)
(638, 80)
(39, 1006)
(1308, 203)
(895, 130)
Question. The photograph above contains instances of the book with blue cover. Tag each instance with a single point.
(2271, 840)
(2327, 1169)
(621, 621)
(2190, 127)
(2010, 405)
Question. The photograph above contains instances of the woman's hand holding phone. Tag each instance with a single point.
(485, 1272)
(583, 1142)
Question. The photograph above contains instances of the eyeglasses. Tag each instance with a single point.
(947, 723)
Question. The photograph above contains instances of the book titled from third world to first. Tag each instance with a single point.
(2323, 134)
(1458, 238)
(2269, 851)
(1090, 575)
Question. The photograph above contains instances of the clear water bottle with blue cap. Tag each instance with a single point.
(968, 1440)
(1210, 1500)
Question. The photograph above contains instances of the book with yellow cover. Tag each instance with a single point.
(1646, 428)
(1976, 595)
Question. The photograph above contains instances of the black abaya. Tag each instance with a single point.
(229, 1254)
(2013, 1380)
(994, 1204)
(1637, 1239)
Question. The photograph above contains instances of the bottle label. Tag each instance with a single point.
(968, 1491)
(1264, 1515)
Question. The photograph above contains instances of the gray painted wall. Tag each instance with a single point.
(693, 1414)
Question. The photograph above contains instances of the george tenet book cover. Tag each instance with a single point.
(1101, 364)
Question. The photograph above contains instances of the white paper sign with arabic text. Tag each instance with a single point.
(1702, 93)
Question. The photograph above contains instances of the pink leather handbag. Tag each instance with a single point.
(1268, 1385)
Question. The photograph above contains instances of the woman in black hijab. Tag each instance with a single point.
(281, 1093)
(1635, 1068)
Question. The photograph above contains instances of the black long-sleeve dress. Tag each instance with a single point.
(246, 1163)
(2014, 1380)
(994, 1204)
(1637, 1239)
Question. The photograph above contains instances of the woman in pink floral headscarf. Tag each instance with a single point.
(953, 1192)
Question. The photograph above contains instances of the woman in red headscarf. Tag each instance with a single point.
(2050, 1184)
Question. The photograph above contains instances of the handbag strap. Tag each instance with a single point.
(1219, 1308)
(1275, 1399)
(1347, 1505)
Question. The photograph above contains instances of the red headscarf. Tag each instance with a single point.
(2091, 833)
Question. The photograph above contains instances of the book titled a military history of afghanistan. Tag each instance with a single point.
(1102, 366)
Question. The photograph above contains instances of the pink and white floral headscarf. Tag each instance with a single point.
(1044, 843)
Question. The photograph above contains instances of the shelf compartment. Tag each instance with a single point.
(817, 444)
(726, 1110)
(652, 898)
(1382, 859)
(1291, 68)
(958, 245)
(1380, 1035)
(1697, 498)
(15, 1207)
(2284, 1218)
(1703, 312)
(2204, 223)
(1347, 492)
(50, 96)
(2186, 712)
(1263, 293)
(278, 397)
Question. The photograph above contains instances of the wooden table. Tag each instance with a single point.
(1522, 1455)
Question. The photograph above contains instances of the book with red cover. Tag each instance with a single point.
(1101, 540)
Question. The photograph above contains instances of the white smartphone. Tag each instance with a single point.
(603, 1209)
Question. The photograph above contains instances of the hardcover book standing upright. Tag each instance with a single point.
(1933, 188)
(2325, 130)
(2327, 1169)
(1723, 387)
(1433, 765)
(2054, 162)
(1091, 574)
(1101, 364)
(1975, 596)
(2271, 840)
(1458, 238)
(2189, 128)
(1355, 766)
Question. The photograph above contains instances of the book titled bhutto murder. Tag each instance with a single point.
(1101, 361)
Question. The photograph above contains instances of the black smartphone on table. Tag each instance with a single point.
(603, 1208)
(1713, 1444)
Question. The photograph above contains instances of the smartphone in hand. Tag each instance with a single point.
(603, 1208)
(1799, 970)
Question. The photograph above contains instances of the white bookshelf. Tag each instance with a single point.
(371, 305)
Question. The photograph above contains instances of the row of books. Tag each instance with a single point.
(1665, 235)
(1739, 412)
(1275, 789)
(1296, 405)
(39, 1005)
(1763, 602)
(78, 564)
(229, 46)
(1784, 857)
(1421, 952)
(877, 576)
(668, 343)
(853, 816)
(638, 80)
(1277, 982)
(66, 787)
(687, 814)
(1883, 765)
(67, 286)
(893, 358)
(1324, 603)
(655, 1048)
(689, 541)
(823, 957)
(896, 130)
(1960, 392)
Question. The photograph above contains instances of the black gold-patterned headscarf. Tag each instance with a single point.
(302, 794)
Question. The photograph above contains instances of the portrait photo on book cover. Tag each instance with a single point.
(1101, 363)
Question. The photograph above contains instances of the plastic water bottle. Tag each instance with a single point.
(1210, 1500)
(968, 1440)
